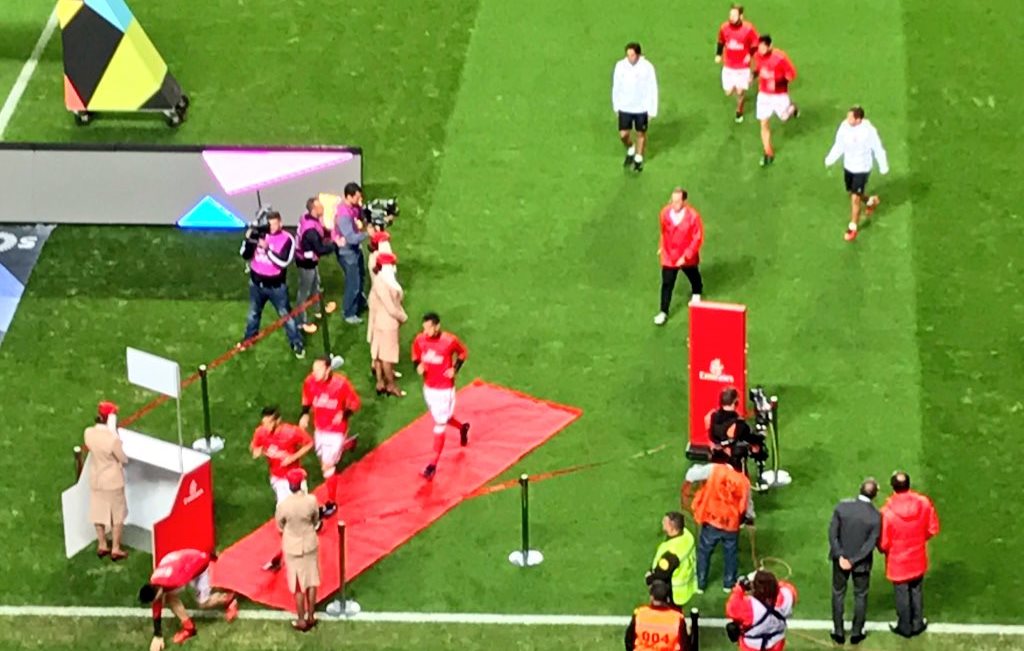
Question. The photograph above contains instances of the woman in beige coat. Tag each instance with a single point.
(386, 315)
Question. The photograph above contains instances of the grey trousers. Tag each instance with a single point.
(309, 284)
(909, 606)
(861, 581)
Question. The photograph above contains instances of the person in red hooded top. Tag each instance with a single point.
(909, 521)
(176, 571)
(758, 608)
(682, 235)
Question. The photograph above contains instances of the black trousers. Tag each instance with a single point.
(861, 581)
(668, 283)
(909, 606)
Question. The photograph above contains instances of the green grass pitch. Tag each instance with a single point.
(491, 120)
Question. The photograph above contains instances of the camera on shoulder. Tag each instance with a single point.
(260, 226)
(380, 213)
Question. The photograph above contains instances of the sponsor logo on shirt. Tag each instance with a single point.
(432, 357)
(324, 401)
(716, 373)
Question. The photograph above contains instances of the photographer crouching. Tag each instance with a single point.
(269, 249)
(758, 607)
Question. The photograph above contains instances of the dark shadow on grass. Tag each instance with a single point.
(899, 190)
(723, 276)
(17, 41)
(795, 401)
(666, 136)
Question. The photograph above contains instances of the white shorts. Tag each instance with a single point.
(441, 403)
(201, 586)
(773, 103)
(282, 489)
(328, 446)
(735, 78)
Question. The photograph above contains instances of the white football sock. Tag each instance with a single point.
(631, 151)
(639, 158)
(852, 226)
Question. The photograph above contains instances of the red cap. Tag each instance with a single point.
(106, 408)
(386, 258)
(296, 476)
(380, 236)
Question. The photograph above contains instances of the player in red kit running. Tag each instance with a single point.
(283, 445)
(176, 571)
(438, 356)
(737, 42)
(333, 400)
(775, 72)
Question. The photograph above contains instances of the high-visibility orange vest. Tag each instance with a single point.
(657, 629)
(722, 500)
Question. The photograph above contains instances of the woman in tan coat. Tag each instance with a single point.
(386, 315)
(108, 507)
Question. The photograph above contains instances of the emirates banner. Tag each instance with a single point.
(718, 360)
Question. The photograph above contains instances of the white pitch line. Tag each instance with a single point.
(25, 76)
(494, 619)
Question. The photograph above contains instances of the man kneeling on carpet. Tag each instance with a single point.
(297, 518)
(175, 571)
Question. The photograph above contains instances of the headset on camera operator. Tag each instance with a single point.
(269, 249)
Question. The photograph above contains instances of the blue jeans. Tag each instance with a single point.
(354, 301)
(278, 297)
(706, 543)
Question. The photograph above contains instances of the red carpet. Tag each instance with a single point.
(506, 425)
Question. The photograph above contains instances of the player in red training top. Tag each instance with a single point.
(737, 43)
(438, 356)
(284, 445)
(175, 571)
(333, 400)
(775, 72)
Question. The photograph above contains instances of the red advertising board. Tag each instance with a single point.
(718, 359)
(190, 524)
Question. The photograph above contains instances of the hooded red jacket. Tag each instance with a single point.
(908, 522)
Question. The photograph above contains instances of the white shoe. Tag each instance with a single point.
(660, 318)
(695, 299)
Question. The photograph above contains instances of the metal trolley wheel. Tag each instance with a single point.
(83, 118)
(177, 115)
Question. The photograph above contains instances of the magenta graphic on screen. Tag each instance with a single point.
(240, 171)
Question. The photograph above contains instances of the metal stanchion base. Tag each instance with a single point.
(216, 445)
(348, 608)
(529, 559)
(770, 480)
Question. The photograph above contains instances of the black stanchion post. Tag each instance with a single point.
(79, 461)
(524, 483)
(341, 563)
(207, 426)
(694, 629)
(325, 329)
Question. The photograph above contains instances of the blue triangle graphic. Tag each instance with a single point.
(209, 213)
(115, 12)
(10, 286)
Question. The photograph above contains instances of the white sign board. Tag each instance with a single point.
(154, 373)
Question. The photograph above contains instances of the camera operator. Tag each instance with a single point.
(269, 249)
(727, 429)
(313, 241)
(349, 225)
(757, 608)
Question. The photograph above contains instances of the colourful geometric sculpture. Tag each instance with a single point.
(210, 214)
(111, 65)
(240, 171)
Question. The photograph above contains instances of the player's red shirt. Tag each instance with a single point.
(739, 43)
(775, 71)
(279, 444)
(436, 353)
(179, 567)
(330, 400)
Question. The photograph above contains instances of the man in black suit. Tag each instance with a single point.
(852, 537)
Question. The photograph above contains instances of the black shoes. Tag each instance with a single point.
(428, 472)
(857, 639)
(464, 435)
(838, 638)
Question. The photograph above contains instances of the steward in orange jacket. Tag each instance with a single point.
(719, 507)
